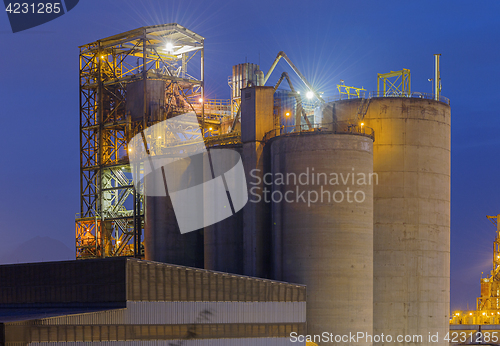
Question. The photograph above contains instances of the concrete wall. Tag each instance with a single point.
(411, 155)
(336, 115)
(256, 120)
(328, 244)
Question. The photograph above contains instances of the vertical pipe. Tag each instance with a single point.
(233, 88)
(202, 91)
(437, 77)
(134, 222)
(144, 82)
(144, 122)
(184, 65)
(81, 139)
(244, 76)
(100, 116)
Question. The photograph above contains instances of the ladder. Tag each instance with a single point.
(362, 109)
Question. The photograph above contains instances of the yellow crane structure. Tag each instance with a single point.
(488, 304)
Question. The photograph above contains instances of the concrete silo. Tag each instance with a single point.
(324, 239)
(411, 156)
(223, 241)
(411, 211)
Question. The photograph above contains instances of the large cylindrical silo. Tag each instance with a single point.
(411, 216)
(322, 214)
(163, 241)
(223, 241)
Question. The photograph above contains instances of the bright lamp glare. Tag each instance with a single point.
(309, 95)
(200, 100)
(170, 46)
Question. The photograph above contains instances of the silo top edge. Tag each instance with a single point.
(318, 133)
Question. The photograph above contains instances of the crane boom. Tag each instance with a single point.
(268, 74)
(298, 100)
(295, 69)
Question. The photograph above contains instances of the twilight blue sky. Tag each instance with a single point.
(327, 40)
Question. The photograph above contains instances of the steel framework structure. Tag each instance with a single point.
(399, 86)
(488, 304)
(490, 286)
(111, 222)
(350, 91)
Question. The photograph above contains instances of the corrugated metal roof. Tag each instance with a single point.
(26, 314)
(117, 280)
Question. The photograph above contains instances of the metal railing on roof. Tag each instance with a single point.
(371, 94)
(414, 94)
(338, 128)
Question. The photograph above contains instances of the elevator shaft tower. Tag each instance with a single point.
(128, 82)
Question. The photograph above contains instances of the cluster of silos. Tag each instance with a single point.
(314, 228)
(380, 265)
(411, 218)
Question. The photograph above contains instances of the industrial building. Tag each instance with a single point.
(125, 301)
(370, 240)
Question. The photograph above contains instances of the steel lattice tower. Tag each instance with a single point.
(116, 104)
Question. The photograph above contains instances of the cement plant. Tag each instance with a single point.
(310, 216)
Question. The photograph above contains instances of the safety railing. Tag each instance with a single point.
(225, 139)
(214, 108)
(371, 94)
(338, 127)
(344, 96)
(415, 94)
